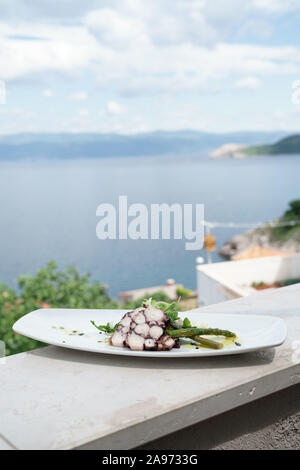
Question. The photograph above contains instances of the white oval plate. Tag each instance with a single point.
(56, 326)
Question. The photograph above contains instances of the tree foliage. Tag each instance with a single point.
(159, 296)
(49, 288)
(292, 214)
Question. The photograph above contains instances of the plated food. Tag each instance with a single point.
(199, 333)
(156, 326)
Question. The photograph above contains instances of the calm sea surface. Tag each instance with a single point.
(48, 211)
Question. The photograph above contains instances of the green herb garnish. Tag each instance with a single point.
(186, 323)
(106, 328)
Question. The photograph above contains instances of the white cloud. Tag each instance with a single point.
(169, 70)
(76, 9)
(275, 6)
(29, 9)
(48, 93)
(17, 112)
(112, 107)
(61, 49)
(14, 120)
(83, 112)
(139, 48)
(164, 23)
(79, 96)
(248, 83)
(255, 28)
(113, 29)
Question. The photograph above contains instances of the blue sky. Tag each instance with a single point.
(130, 66)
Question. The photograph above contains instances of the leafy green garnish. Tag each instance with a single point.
(186, 323)
(171, 310)
(106, 328)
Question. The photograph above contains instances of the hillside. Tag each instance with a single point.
(285, 146)
(70, 146)
(288, 145)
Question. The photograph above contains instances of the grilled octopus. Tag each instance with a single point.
(144, 328)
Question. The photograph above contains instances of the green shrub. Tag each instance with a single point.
(294, 210)
(288, 231)
(49, 288)
(156, 296)
(183, 292)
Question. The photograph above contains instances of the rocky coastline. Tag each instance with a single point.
(261, 236)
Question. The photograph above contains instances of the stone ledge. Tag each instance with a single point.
(270, 423)
(54, 398)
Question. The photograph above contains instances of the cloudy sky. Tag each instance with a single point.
(132, 66)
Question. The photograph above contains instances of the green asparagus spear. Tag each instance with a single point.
(208, 342)
(191, 332)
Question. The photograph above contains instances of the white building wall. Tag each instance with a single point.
(217, 282)
(208, 292)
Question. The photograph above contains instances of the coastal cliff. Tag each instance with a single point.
(261, 236)
(229, 151)
(283, 234)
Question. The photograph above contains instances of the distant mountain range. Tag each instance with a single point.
(285, 146)
(70, 146)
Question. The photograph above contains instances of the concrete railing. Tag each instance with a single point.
(55, 398)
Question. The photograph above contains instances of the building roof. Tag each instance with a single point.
(258, 251)
(168, 289)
